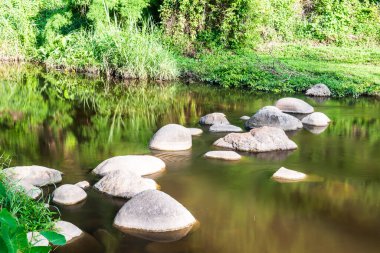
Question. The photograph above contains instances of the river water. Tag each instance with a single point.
(72, 123)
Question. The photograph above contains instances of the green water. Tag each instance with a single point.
(72, 123)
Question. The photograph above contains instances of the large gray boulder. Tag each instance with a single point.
(154, 215)
(319, 90)
(124, 184)
(214, 118)
(294, 105)
(140, 164)
(171, 137)
(223, 155)
(284, 174)
(69, 194)
(274, 117)
(68, 230)
(225, 128)
(317, 119)
(34, 175)
(261, 139)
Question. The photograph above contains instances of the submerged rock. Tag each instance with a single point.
(195, 131)
(34, 175)
(294, 105)
(29, 189)
(37, 240)
(261, 139)
(317, 119)
(319, 90)
(223, 155)
(140, 164)
(245, 117)
(68, 230)
(223, 128)
(83, 184)
(154, 215)
(284, 174)
(214, 118)
(171, 137)
(274, 117)
(69, 194)
(124, 184)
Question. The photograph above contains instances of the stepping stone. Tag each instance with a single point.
(223, 155)
(274, 117)
(140, 164)
(319, 90)
(317, 119)
(294, 105)
(68, 230)
(156, 216)
(222, 128)
(124, 184)
(195, 131)
(284, 174)
(171, 137)
(34, 175)
(214, 118)
(83, 184)
(261, 139)
(69, 194)
(245, 117)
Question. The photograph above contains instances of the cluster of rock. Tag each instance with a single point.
(219, 123)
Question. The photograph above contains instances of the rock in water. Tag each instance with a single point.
(83, 184)
(261, 139)
(284, 174)
(140, 164)
(37, 240)
(34, 175)
(154, 215)
(223, 155)
(68, 230)
(195, 131)
(319, 90)
(124, 184)
(29, 189)
(245, 117)
(171, 137)
(294, 105)
(224, 128)
(69, 194)
(214, 118)
(317, 119)
(274, 117)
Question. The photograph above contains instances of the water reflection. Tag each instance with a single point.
(315, 129)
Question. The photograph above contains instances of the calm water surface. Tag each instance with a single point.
(73, 123)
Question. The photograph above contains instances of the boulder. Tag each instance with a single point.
(68, 230)
(124, 184)
(317, 119)
(171, 137)
(224, 128)
(195, 131)
(261, 139)
(69, 194)
(274, 117)
(83, 184)
(319, 90)
(223, 155)
(29, 189)
(214, 118)
(245, 117)
(284, 174)
(140, 164)
(34, 175)
(154, 215)
(294, 105)
(37, 240)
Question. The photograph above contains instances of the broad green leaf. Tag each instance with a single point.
(3, 191)
(40, 249)
(3, 247)
(7, 218)
(54, 238)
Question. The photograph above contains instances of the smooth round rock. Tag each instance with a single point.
(195, 131)
(319, 90)
(245, 117)
(214, 118)
(29, 189)
(284, 174)
(223, 155)
(140, 164)
(171, 137)
(154, 215)
(317, 119)
(69, 194)
(261, 139)
(68, 230)
(83, 184)
(224, 128)
(37, 240)
(274, 117)
(124, 184)
(294, 105)
(34, 175)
